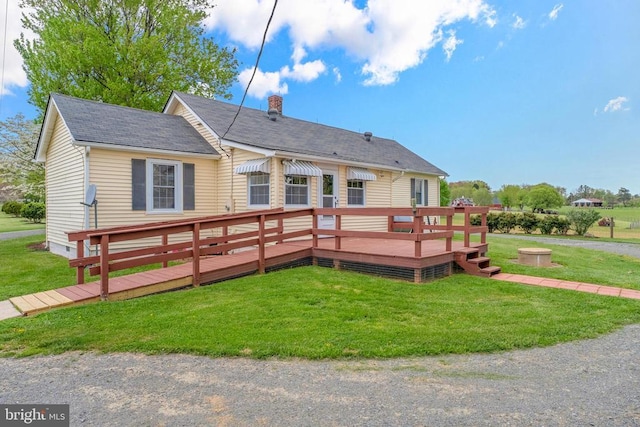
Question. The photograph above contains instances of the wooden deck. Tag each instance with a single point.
(427, 253)
(380, 252)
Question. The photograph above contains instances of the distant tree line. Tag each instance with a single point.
(541, 197)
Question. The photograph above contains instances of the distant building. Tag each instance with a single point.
(587, 203)
(462, 201)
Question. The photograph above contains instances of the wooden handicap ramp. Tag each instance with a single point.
(40, 301)
(213, 269)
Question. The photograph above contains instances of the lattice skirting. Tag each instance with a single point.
(401, 273)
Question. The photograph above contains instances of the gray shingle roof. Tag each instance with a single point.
(97, 122)
(254, 128)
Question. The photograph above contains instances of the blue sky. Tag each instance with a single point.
(509, 92)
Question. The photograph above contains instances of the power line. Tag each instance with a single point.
(264, 38)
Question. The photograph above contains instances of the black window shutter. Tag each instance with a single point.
(413, 188)
(189, 187)
(426, 192)
(138, 185)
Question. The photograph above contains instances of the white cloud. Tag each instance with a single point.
(553, 15)
(14, 75)
(306, 72)
(337, 74)
(450, 44)
(386, 37)
(273, 82)
(263, 83)
(616, 104)
(518, 23)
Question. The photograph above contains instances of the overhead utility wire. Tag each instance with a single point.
(264, 38)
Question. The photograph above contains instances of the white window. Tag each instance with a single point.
(355, 192)
(419, 188)
(164, 195)
(258, 189)
(296, 190)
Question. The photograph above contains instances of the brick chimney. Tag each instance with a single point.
(275, 103)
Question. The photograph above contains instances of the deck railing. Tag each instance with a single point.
(264, 227)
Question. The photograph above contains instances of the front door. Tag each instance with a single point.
(328, 197)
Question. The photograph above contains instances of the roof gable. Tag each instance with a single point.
(115, 126)
(285, 134)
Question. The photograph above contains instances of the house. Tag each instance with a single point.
(587, 203)
(197, 158)
(462, 201)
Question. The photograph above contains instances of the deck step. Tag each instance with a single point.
(467, 251)
(490, 271)
(479, 260)
(474, 262)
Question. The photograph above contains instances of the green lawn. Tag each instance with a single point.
(24, 270)
(318, 313)
(10, 223)
(573, 263)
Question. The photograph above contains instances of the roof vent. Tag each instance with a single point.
(367, 136)
(273, 114)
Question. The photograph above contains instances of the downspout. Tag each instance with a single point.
(230, 208)
(87, 177)
(398, 177)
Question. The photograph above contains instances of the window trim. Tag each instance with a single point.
(249, 186)
(178, 195)
(363, 189)
(308, 186)
(424, 187)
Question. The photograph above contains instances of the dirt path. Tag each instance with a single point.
(587, 383)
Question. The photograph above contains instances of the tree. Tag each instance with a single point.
(544, 196)
(609, 198)
(624, 196)
(482, 197)
(132, 52)
(583, 192)
(508, 195)
(18, 139)
(445, 193)
(582, 219)
(478, 191)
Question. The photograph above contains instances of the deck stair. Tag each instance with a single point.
(472, 262)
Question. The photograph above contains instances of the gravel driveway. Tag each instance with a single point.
(586, 383)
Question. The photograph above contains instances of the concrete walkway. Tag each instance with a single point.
(565, 284)
(8, 310)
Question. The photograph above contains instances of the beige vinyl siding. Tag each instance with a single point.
(295, 223)
(111, 173)
(65, 189)
(234, 190)
(401, 190)
(181, 110)
(377, 194)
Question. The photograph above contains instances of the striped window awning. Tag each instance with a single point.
(361, 174)
(300, 167)
(252, 166)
